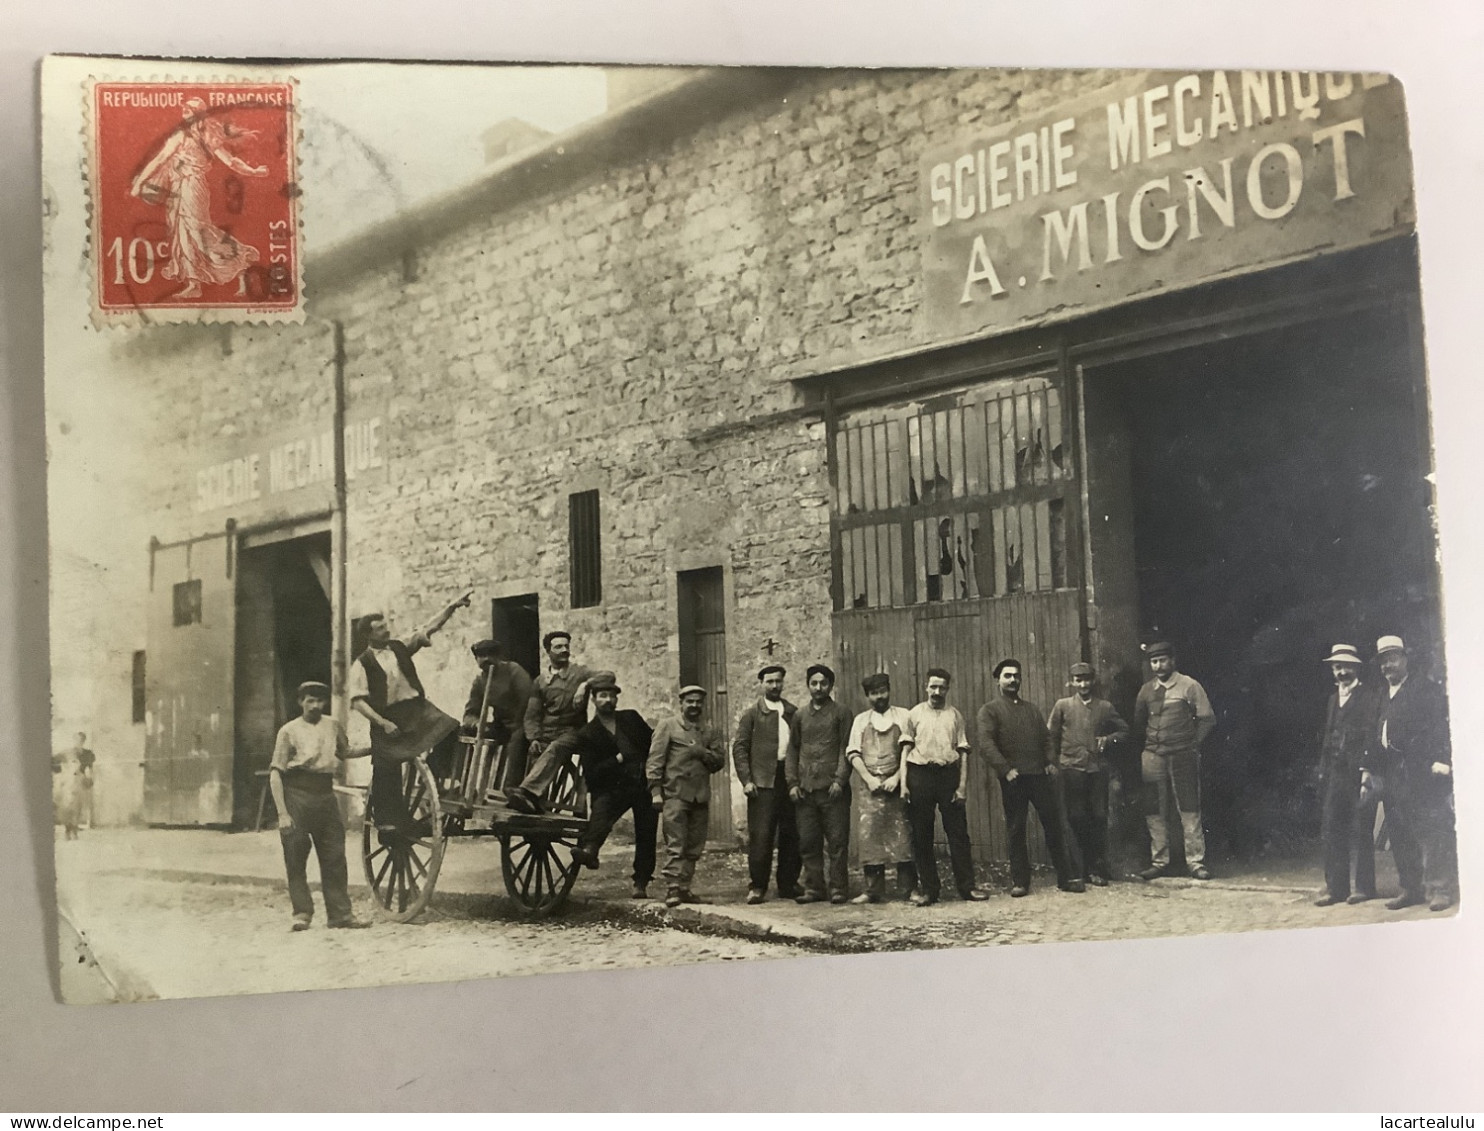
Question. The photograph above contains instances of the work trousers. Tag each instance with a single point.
(310, 801)
(607, 807)
(1419, 819)
(1085, 799)
(771, 820)
(1017, 797)
(930, 790)
(1174, 777)
(1348, 826)
(685, 839)
(543, 770)
(876, 879)
(824, 841)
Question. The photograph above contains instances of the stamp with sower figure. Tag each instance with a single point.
(195, 202)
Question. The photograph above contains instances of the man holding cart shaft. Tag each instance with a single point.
(557, 707)
(386, 690)
(498, 697)
(301, 776)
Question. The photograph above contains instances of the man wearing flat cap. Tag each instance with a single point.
(301, 776)
(612, 749)
(1082, 728)
(1417, 761)
(558, 706)
(759, 751)
(498, 697)
(683, 754)
(819, 783)
(1348, 822)
(1173, 716)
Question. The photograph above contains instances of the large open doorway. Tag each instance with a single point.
(1256, 500)
(283, 639)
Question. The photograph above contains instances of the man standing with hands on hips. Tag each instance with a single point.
(683, 755)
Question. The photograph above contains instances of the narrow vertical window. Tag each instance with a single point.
(187, 602)
(585, 550)
(140, 703)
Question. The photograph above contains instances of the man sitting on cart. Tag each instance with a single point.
(498, 698)
(558, 707)
(385, 688)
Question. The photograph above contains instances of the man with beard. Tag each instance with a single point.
(759, 752)
(875, 750)
(1344, 744)
(819, 783)
(612, 749)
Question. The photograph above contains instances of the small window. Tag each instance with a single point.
(586, 550)
(188, 602)
(140, 703)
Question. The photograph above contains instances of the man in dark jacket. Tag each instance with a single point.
(1348, 823)
(1014, 739)
(818, 776)
(1082, 728)
(759, 752)
(498, 697)
(612, 749)
(1415, 756)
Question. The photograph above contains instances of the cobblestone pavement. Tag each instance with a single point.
(171, 913)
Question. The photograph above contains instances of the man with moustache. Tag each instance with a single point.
(1174, 717)
(1014, 739)
(1417, 761)
(683, 754)
(759, 752)
(1082, 728)
(558, 706)
(819, 784)
(875, 751)
(935, 746)
(612, 749)
(1348, 823)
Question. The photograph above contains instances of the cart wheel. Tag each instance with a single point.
(538, 868)
(402, 871)
(567, 792)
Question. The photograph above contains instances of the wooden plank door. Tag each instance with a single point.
(701, 607)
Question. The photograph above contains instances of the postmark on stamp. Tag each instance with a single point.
(195, 202)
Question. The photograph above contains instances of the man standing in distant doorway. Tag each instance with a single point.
(1417, 761)
(86, 760)
(819, 783)
(1344, 749)
(683, 754)
(386, 690)
(498, 697)
(875, 751)
(936, 747)
(1173, 716)
(759, 752)
(1082, 728)
(558, 706)
(1014, 739)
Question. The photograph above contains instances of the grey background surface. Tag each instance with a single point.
(1349, 1019)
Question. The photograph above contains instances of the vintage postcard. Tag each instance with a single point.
(524, 519)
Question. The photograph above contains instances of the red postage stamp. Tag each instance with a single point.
(195, 202)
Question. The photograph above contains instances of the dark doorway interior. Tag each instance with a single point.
(1279, 506)
(516, 623)
(701, 613)
(283, 639)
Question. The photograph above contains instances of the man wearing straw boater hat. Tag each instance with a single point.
(1415, 758)
(1174, 716)
(1348, 820)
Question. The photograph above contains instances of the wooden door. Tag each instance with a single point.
(703, 661)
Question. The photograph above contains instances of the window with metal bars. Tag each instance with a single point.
(586, 549)
(953, 498)
(141, 703)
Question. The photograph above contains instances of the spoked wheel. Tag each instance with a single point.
(402, 868)
(567, 793)
(538, 868)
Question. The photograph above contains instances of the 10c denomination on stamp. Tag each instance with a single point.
(195, 202)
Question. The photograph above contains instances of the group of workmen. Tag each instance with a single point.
(799, 765)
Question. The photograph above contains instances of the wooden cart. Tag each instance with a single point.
(535, 851)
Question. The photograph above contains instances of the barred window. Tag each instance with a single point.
(585, 545)
(141, 703)
(954, 498)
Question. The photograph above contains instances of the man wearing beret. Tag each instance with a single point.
(301, 776)
(1173, 716)
(1082, 728)
(759, 751)
(1344, 750)
(683, 754)
(819, 782)
(498, 698)
(1417, 761)
(612, 750)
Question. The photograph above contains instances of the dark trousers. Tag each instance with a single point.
(770, 821)
(1085, 798)
(607, 808)
(685, 839)
(1349, 830)
(876, 879)
(388, 803)
(824, 841)
(930, 790)
(1018, 796)
(310, 801)
(1419, 819)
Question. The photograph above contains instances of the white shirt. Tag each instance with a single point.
(397, 687)
(783, 731)
(1391, 690)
